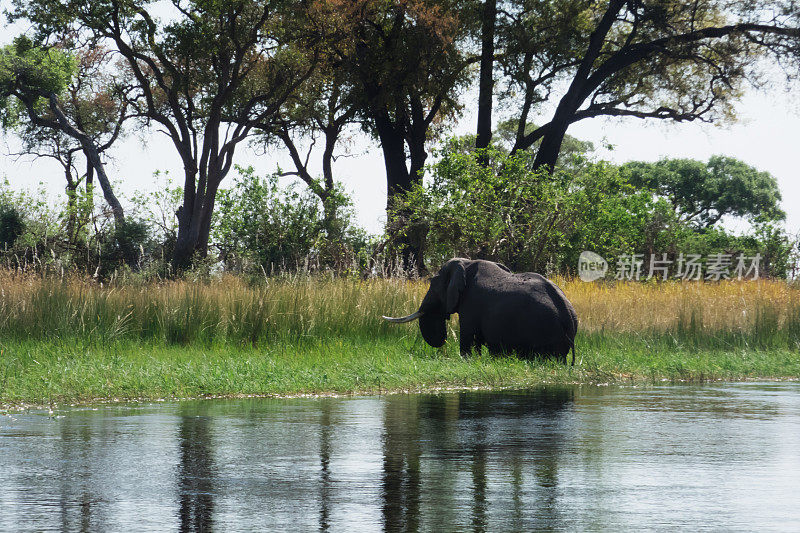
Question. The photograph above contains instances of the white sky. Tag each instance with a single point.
(767, 136)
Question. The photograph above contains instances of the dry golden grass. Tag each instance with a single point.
(182, 311)
(726, 305)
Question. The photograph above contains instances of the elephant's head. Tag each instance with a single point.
(440, 302)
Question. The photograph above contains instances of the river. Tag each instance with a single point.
(711, 457)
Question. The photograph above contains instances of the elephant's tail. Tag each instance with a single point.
(572, 345)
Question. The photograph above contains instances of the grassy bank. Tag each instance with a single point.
(41, 372)
(75, 340)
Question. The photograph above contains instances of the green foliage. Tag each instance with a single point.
(126, 245)
(279, 228)
(40, 221)
(500, 212)
(71, 236)
(526, 219)
(157, 207)
(533, 221)
(11, 225)
(702, 193)
(33, 72)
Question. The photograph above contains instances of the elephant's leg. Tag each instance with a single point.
(467, 339)
(465, 345)
(478, 343)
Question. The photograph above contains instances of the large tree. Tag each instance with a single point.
(702, 193)
(660, 59)
(205, 75)
(60, 105)
(404, 64)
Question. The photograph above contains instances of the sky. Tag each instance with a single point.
(766, 136)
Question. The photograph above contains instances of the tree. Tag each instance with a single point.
(572, 149)
(11, 225)
(702, 193)
(523, 217)
(278, 228)
(205, 76)
(322, 107)
(635, 58)
(404, 65)
(486, 75)
(56, 106)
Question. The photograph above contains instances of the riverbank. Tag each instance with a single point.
(47, 373)
(64, 341)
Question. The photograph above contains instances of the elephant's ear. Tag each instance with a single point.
(457, 284)
(433, 328)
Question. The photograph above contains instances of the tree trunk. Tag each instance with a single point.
(89, 178)
(547, 155)
(194, 218)
(398, 182)
(486, 79)
(90, 151)
(332, 230)
(184, 242)
(184, 248)
(206, 213)
(72, 207)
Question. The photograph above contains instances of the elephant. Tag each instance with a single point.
(523, 313)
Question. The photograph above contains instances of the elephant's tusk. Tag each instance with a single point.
(401, 320)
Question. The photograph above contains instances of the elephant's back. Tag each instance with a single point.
(535, 304)
(560, 300)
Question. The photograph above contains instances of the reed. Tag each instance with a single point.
(227, 310)
(760, 313)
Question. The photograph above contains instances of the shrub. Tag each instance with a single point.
(536, 221)
(11, 225)
(281, 228)
(126, 245)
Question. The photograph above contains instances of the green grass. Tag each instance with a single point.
(42, 372)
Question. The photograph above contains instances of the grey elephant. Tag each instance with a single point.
(522, 313)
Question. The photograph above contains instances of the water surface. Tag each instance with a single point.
(716, 457)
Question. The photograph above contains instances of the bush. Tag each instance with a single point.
(11, 225)
(126, 245)
(526, 219)
(276, 228)
(536, 221)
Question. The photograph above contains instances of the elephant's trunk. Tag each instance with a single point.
(401, 320)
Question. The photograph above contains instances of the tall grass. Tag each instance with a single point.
(227, 310)
(729, 314)
(726, 314)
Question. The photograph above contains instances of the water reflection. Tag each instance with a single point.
(715, 457)
(445, 456)
(325, 446)
(195, 470)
